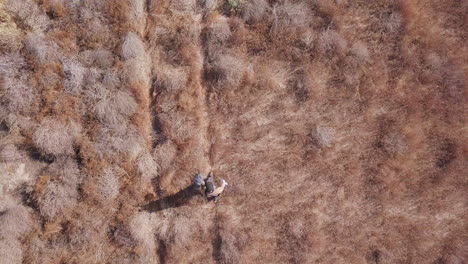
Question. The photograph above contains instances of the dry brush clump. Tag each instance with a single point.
(9, 153)
(226, 71)
(19, 95)
(10, 63)
(171, 78)
(254, 10)
(56, 198)
(290, 15)
(40, 47)
(74, 76)
(16, 221)
(11, 251)
(29, 14)
(331, 41)
(108, 184)
(55, 137)
(15, 218)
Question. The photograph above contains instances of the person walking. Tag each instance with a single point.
(211, 191)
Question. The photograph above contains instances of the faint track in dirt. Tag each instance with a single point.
(217, 242)
(200, 90)
(217, 239)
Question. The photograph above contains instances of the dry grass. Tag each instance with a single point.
(339, 125)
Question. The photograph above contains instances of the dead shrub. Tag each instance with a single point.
(147, 166)
(123, 237)
(360, 52)
(132, 47)
(10, 64)
(218, 31)
(13, 176)
(40, 251)
(95, 30)
(93, 78)
(394, 143)
(170, 36)
(453, 84)
(116, 108)
(141, 228)
(17, 122)
(95, 91)
(175, 229)
(210, 4)
(308, 38)
(86, 228)
(100, 58)
(19, 96)
(393, 22)
(226, 71)
(66, 170)
(274, 74)
(290, 15)
(111, 79)
(109, 142)
(137, 72)
(29, 14)
(130, 15)
(184, 6)
(40, 47)
(254, 10)
(331, 41)
(10, 42)
(15, 222)
(11, 251)
(228, 241)
(180, 125)
(171, 78)
(108, 184)
(229, 252)
(9, 153)
(103, 58)
(322, 136)
(435, 61)
(74, 75)
(56, 198)
(55, 137)
(124, 102)
(164, 154)
(137, 14)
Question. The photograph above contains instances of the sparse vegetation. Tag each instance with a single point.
(339, 125)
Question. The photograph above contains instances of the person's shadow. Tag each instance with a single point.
(176, 200)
